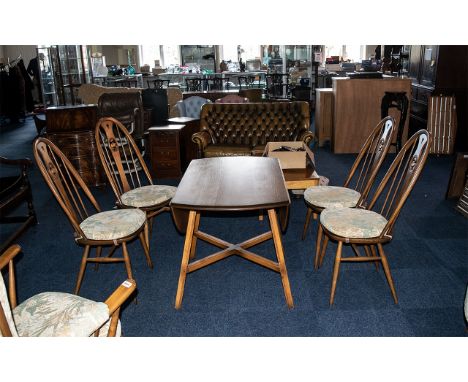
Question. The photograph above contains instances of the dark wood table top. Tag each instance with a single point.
(232, 184)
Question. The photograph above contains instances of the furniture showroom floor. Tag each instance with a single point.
(428, 259)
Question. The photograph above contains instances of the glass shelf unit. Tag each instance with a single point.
(63, 69)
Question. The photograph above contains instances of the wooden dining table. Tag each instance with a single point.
(231, 184)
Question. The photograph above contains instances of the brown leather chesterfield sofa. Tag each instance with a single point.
(244, 129)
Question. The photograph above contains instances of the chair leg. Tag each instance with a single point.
(84, 261)
(145, 249)
(128, 266)
(324, 249)
(374, 253)
(98, 254)
(370, 251)
(306, 223)
(386, 269)
(147, 233)
(336, 270)
(317, 244)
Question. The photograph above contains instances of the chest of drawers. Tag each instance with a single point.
(166, 151)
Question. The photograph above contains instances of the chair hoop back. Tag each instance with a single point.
(370, 158)
(65, 183)
(396, 185)
(122, 161)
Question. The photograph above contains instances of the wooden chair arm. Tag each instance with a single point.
(120, 295)
(9, 255)
(19, 162)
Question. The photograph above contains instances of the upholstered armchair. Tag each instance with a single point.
(127, 108)
(191, 106)
(56, 314)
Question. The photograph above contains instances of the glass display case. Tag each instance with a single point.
(404, 60)
(201, 56)
(63, 69)
(48, 66)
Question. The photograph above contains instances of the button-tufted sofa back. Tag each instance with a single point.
(255, 123)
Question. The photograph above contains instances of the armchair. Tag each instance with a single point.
(55, 314)
(191, 106)
(127, 108)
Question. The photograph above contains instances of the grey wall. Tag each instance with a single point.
(13, 51)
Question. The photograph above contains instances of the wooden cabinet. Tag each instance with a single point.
(71, 128)
(166, 151)
(192, 126)
(357, 108)
(323, 115)
(63, 69)
(438, 70)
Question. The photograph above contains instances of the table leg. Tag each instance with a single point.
(185, 258)
(280, 255)
(194, 238)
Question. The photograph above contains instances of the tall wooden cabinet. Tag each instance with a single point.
(63, 69)
(439, 70)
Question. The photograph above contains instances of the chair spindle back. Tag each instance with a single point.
(122, 161)
(65, 183)
(370, 158)
(396, 185)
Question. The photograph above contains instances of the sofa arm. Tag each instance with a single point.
(202, 139)
(306, 137)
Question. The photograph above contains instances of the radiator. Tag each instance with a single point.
(442, 123)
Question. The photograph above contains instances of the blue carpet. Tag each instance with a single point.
(428, 259)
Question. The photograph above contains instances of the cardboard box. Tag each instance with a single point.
(289, 159)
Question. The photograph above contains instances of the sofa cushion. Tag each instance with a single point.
(226, 150)
(258, 150)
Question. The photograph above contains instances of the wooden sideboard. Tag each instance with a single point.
(357, 109)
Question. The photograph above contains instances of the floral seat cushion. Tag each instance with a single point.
(353, 223)
(331, 196)
(113, 225)
(148, 196)
(55, 314)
